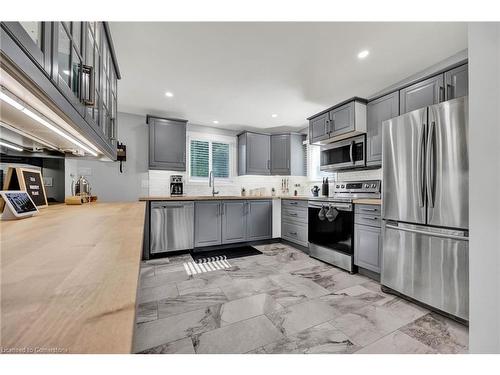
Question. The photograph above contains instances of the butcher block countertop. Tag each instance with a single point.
(69, 279)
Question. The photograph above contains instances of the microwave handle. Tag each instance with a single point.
(351, 149)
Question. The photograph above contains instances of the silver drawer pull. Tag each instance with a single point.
(294, 203)
(370, 217)
(293, 214)
(369, 209)
(293, 233)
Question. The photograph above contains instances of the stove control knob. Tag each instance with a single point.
(342, 186)
(337, 186)
(367, 186)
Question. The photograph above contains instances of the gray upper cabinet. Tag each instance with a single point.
(259, 220)
(254, 154)
(74, 65)
(280, 154)
(287, 154)
(378, 110)
(422, 94)
(234, 221)
(318, 128)
(167, 144)
(35, 40)
(341, 120)
(457, 82)
(207, 224)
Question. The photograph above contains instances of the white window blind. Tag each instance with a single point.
(206, 156)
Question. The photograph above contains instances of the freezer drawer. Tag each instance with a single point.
(428, 264)
(171, 226)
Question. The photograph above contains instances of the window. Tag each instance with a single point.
(314, 172)
(208, 155)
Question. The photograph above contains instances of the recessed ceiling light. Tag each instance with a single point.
(215, 122)
(363, 54)
(169, 94)
(274, 115)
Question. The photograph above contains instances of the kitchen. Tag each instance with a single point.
(169, 216)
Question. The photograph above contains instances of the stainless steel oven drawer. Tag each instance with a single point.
(294, 214)
(294, 232)
(294, 203)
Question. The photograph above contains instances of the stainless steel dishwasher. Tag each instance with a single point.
(171, 226)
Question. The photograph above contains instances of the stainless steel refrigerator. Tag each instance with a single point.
(425, 206)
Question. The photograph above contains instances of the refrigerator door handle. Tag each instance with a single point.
(420, 169)
(426, 233)
(430, 165)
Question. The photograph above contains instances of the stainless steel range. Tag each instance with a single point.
(331, 222)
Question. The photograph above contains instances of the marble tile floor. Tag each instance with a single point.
(281, 301)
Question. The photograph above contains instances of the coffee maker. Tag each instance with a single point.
(176, 185)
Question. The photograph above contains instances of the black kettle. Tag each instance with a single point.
(315, 191)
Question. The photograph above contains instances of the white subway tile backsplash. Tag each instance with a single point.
(159, 183)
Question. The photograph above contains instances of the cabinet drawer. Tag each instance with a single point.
(294, 203)
(294, 233)
(368, 247)
(368, 209)
(293, 214)
(371, 220)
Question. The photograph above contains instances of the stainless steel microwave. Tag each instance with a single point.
(346, 154)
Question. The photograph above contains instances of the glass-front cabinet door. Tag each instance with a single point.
(91, 83)
(34, 37)
(68, 61)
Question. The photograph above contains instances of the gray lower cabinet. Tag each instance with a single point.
(259, 220)
(288, 154)
(422, 94)
(377, 111)
(234, 221)
(167, 143)
(207, 224)
(367, 247)
(294, 221)
(368, 237)
(457, 82)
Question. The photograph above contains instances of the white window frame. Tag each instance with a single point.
(207, 137)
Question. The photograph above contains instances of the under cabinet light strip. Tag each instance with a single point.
(8, 145)
(7, 99)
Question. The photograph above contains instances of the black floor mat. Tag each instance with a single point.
(231, 253)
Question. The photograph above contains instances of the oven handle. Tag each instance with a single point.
(340, 207)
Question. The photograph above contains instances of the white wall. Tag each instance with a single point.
(484, 177)
(105, 178)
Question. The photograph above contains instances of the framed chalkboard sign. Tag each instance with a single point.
(29, 180)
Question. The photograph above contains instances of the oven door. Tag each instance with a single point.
(346, 154)
(333, 231)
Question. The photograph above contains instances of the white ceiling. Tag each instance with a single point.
(241, 73)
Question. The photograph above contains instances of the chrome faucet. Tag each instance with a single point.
(211, 183)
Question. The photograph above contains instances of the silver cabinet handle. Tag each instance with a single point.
(431, 234)
(369, 209)
(450, 94)
(223, 207)
(371, 217)
(430, 165)
(294, 203)
(292, 214)
(293, 233)
(441, 93)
